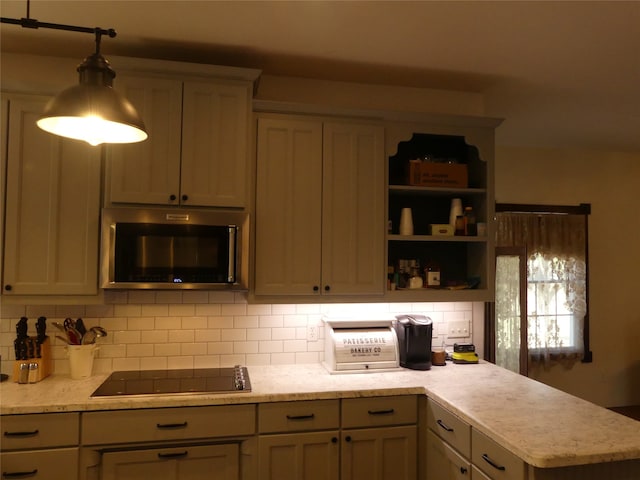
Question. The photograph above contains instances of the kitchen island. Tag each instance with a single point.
(548, 429)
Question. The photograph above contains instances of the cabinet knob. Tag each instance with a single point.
(347, 438)
(8, 288)
(185, 198)
(172, 198)
(334, 440)
(327, 288)
(463, 470)
(316, 288)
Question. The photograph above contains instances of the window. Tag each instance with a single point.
(553, 247)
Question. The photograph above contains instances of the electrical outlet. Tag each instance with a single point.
(312, 333)
(458, 329)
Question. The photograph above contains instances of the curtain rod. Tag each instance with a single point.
(581, 209)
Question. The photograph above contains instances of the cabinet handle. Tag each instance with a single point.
(169, 426)
(32, 473)
(172, 197)
(185, 198)
(347, 438)
(444, 425)
(327, 288)
(334, 440)
(463, 470)
(300, 417)
(8, 288)
(22, 434)
(487, 459)
(316, 288)
(173, 455)
(381, 412)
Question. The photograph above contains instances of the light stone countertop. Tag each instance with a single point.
(542, 425)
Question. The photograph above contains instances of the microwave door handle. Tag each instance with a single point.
(232, 253)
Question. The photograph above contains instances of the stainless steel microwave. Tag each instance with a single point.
(169, 248)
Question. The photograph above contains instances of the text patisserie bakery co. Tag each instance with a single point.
(365, 345)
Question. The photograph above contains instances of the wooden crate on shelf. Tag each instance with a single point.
(430, 174)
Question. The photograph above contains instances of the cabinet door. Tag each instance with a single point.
(52, 210)
(300, 456)
(149, 172)
(215, 139)
(353, 209)
(379, 454)
(443, 462)
(206, 462)
(288, 207)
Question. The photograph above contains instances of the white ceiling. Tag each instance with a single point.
(562, 74)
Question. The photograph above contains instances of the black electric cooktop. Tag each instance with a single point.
(171, 382)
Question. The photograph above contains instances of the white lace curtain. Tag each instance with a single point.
(556, 282)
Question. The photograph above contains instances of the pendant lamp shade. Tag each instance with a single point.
(93, 111)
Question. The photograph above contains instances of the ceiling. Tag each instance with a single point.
(562, 74)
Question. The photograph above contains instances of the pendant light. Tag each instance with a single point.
(92, 110)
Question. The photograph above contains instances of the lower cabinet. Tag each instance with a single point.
(211, 462)
(387, 453)
(297, 456)
(443, 462)
(42, 446)
(353, 439)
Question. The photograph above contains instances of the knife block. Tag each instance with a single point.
(44, 364)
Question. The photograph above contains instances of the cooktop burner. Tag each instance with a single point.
(168, 382)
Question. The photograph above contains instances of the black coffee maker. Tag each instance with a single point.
(414, 341)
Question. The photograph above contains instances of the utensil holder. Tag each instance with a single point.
(81, 360)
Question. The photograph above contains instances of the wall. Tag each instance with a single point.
(195, 329)
(609, 181)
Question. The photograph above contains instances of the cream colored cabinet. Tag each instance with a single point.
(42, 446)
(52, 208)
(299, 440)
(213, 462)
(464, 262)
(379, 438)
(197, 150)
(319, 207)
(443, 462)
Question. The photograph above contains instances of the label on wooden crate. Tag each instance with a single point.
(429, 174)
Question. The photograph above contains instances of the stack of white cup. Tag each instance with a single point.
(406, 222)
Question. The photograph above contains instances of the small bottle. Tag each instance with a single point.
(470, 227)
(432, 274)
(459, 227)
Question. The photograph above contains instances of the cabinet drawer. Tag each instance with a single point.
(54, 464)
(158, 424)
(379, 411)
(455, 431)
(39, 431)
(298, 416)
(496, 461)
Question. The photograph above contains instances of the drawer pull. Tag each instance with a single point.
(171, 426)
(444, 425)
(463, 470)
(301, 417)
(22, 434)
(381, 412)
(487, 459)
(32, 473)
(173, 455)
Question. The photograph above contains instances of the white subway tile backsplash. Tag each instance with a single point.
(181, 329)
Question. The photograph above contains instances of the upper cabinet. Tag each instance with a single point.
(52, 208)
(431, 168)
(197, 153)
(319, 215)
